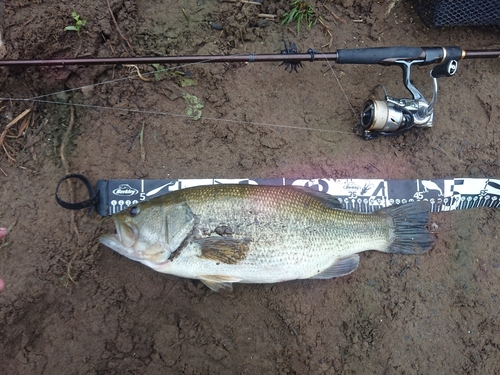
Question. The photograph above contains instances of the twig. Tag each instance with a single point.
(21, 129)
(267, 16)
(7, 153)
(333, 14)
(68, 268)
(118, 27)
(141, 141)
(139, 73)
(439, 148)
(3, 172)
(129, 148)
(64, 142)
(392, 5)
(28, 21)
(188, 17)
(329, 44)
(7, 127)
(12, 123)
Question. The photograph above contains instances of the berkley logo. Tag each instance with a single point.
(125, 190)
(351, 187)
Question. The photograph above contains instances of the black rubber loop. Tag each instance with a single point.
(312, 53)
(93, 196)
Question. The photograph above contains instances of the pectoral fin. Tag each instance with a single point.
(223, 250)
(341, 267)
(217, 282)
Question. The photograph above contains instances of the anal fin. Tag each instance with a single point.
(341, 267)
(218, 282)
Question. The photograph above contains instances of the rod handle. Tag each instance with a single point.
(389, 55)
(379, 55)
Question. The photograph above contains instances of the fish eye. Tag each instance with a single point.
(134, 211)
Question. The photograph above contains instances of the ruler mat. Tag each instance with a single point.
(363, 195)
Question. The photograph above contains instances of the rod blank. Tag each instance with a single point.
(347, 56)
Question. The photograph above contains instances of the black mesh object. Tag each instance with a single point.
(437, 13)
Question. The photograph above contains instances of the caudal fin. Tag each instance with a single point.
(409, 233)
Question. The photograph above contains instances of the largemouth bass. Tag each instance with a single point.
(224, 234)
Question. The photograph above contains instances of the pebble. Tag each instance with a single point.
(216, 26)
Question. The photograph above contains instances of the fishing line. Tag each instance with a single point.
(150, 112)
(129, 77)
(39, 99)
(341, 88)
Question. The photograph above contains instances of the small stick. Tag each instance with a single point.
(329, 44)
(3, 172)
(333, 14)
(141, 141)
(392, 5)
(117, 27)
(65, 163)
(188, 17)
(64, 142)
(250, 2)
(268, 16)
(132, 141)
(139, 73)
(7, 153)
(21, 129)
(12, 123)
(7, 127)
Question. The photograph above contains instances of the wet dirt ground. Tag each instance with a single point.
(72, 306)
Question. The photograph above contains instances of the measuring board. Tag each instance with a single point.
(363, 195)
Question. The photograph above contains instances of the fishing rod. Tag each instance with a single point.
(390, 116)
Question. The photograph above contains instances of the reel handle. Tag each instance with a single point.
(447, 69)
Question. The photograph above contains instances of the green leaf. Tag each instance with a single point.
(186, 82)
(71, 28)
(194, 106)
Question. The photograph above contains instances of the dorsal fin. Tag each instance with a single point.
(326, 199)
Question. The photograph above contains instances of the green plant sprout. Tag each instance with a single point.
(300, 10)
(79, 23)
(158, 70)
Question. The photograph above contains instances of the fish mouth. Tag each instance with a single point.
(123, 240)
(126, 241)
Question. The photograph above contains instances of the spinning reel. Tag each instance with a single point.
(394, 116)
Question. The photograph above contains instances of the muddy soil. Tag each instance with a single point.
(72, 306)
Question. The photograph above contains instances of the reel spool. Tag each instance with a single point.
(395, 116)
